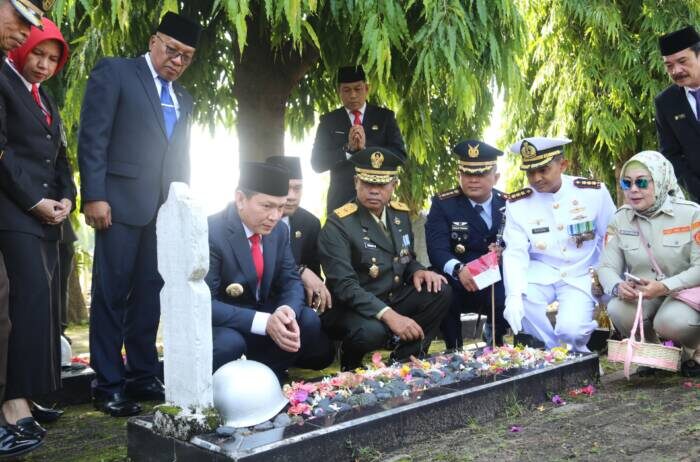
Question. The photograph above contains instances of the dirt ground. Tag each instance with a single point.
(644, 419)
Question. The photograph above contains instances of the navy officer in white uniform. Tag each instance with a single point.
(554, 232)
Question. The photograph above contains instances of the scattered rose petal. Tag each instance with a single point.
(589, 390)
(669, 343)
(688, 384)
(540, 408)
(558, 401)
(377, 359)
(515, 429)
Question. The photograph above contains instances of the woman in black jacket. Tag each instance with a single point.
(36, 195)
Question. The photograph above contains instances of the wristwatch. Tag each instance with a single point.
(457, 268)
(614, 290)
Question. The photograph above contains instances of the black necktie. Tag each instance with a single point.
(478, 208)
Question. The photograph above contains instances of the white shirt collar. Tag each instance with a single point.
(247, 230)
(150, 66)
(362, 110)
(24, 81)
(486, 204)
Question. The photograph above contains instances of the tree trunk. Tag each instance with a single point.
(77, 311)
(263, 81)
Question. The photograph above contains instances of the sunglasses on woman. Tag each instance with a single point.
(641, 183)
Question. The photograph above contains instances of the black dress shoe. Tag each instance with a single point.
(690, 368)
(14, 445)
(29, 428)
(646, 371)
(151, 391)
(44, 414)
(115, 404)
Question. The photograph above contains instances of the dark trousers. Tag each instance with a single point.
(33, 353)
(316, 351)
(361, 334)
(125, 307)
(4, 328)
(66, 251)
(471, 302)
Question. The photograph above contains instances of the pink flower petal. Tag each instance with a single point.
(515, 429)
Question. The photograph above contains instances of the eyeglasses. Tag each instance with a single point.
(641, 183)
(172, 53)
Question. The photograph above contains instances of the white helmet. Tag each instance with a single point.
(247, 393)
(66, 352)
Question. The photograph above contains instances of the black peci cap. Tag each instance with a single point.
(292, 164)
(350, 74)
(678, 40)
(180, 28)
(264, 178)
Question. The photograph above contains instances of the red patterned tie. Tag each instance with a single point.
(37, 98)
(357, 115)
(256, 253)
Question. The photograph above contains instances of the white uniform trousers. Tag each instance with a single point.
(575, 322)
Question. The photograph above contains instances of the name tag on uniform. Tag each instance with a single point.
(544, 229)
(339, 132)
(628, 232)
(460, 226)
(370, 245)
(679, 117)
(406, 240)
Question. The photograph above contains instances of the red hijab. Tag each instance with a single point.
(18, 56)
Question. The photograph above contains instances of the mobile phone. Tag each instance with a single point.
(632, 277)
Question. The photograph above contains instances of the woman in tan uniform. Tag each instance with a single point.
(654, 212)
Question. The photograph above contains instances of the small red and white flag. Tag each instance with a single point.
(485, 270)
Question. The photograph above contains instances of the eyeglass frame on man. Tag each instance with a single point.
(174, 53)
(640, 183)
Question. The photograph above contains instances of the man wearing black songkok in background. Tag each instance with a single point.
(349, 129)
(133, 142)
(304, 228)
(678, 107)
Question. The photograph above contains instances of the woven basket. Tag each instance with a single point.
(629, 351)
(646, 354)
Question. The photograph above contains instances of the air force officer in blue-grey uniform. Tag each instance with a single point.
(463, 224)
(258, 304)
(133, 142)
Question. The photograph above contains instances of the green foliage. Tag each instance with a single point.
(437, 63)
(592, 68)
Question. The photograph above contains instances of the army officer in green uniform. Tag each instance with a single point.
(382, 296)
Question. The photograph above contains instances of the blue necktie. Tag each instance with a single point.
(696, 94)
(168, 107)
(480, 210)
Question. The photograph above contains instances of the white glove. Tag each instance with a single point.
(514, 312)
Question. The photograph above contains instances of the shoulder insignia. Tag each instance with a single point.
(396, 205)
(586, 183)
(449, 193)
(345, 210)
(500, 194)
(517, 195)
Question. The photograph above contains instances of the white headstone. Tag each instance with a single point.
(183, 261)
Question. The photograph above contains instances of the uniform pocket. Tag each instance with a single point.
(629, 242)
(676, 239)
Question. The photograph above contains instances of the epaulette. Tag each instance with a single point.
(345, 210)
(586, 183)
(517, 195)
(396, 205)
(501, 194)
(449, 193)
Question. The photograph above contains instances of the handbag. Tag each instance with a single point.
(689, 296)
(630, 351)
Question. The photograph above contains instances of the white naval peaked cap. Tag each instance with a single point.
(537, 152)
(540, 143)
